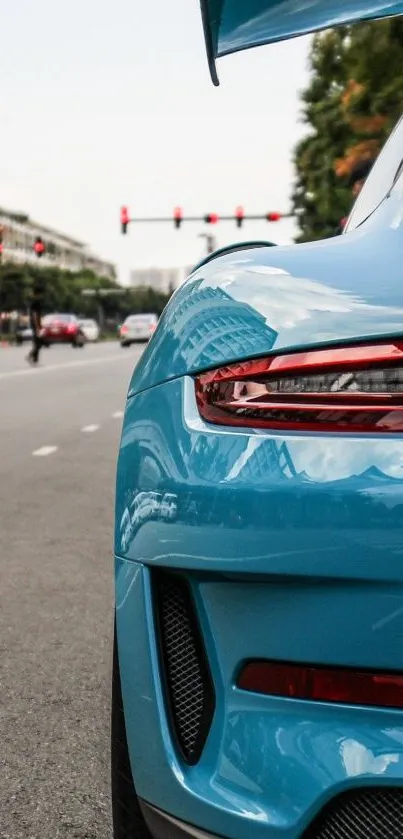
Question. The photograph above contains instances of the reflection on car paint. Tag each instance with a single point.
(143, 507)
(359, 760)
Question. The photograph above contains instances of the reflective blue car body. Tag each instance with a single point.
(290, 544)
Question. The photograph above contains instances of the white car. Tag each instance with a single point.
(90, 329)
(137, 328)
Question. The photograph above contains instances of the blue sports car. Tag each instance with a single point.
(258, 656)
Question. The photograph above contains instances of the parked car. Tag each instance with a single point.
(90, 329)
(137, 328)
(23, 334)
(62, 329)
(258, 669)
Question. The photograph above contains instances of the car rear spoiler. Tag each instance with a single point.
(234, 25)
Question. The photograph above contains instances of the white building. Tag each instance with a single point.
(19, 233)
(160, 279)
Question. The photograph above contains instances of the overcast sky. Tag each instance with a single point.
(110, 103)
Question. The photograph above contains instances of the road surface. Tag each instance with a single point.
(59, 434)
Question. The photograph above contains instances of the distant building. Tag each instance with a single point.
(19, 234)
(160, 279)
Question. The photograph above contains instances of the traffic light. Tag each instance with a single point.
(211, 218)
(239, 215)
(124, 218)
(39, 246)
(273, 216)
(178, 217)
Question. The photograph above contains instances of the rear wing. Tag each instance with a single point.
(234, 25)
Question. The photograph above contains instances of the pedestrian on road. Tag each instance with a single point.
(35, 318)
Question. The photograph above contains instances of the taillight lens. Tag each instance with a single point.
(123, 330)
(323, 684)
(346, 389)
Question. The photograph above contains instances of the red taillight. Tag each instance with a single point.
(322, 684)
(123, 330)
(71, 328)
(354, 389)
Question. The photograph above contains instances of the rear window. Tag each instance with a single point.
(63, 318)
(141, 319)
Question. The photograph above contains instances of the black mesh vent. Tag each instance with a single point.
(365, 814)
(189, 686)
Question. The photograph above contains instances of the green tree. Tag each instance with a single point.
(354, 98)
(318, 198)
(63, 292)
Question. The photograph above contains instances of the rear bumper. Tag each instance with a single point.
(269, 765)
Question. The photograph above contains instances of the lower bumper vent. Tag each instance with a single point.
(188, 682)
(365, 814)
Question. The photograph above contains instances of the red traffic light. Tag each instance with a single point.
(239, 216)
(124, 218)
(178, 217)
(211, 218)
(273, 216)
(39, 246)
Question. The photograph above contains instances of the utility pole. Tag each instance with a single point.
(211, 243)
(100, 294)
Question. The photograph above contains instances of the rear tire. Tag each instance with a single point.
(125, 344)
(128, 821)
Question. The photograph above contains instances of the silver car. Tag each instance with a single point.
(137, 328)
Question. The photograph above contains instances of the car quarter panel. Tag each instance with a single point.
(193, 494)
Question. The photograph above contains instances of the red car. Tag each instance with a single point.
(62, 329)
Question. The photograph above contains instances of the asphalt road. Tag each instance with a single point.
(59, 434)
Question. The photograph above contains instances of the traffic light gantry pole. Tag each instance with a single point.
(178, 218)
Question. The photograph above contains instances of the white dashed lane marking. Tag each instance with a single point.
(87, 429)
(44, 451)
(51, 368)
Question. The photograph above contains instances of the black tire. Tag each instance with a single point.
(78, 342)
(124, 344)
(128, 821)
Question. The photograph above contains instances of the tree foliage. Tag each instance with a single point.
(353, 100)
(63, 292)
